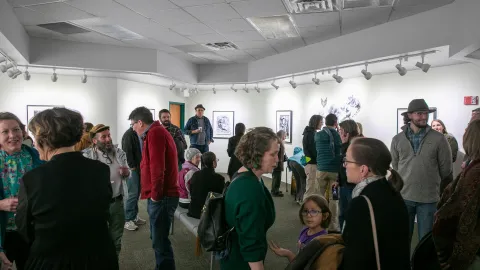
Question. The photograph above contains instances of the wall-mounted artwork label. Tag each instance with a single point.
(284, 122)
(223, 124)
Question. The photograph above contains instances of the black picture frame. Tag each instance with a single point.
(284, 120)
(432, 116)
(223, 124)
(32, 110)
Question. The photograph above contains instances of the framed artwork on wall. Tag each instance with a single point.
(284, 122)
(223, 124)
(153, 114)
(400, 124)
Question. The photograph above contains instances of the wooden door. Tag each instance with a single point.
(175, 111)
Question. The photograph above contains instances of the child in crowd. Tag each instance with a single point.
(316, 216)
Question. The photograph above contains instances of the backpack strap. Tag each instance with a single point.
(374, 231)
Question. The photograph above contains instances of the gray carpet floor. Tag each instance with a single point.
(137, 252)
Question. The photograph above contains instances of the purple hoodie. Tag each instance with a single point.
(184, 180)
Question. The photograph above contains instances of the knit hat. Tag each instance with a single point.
(191, 153)
(97, 129)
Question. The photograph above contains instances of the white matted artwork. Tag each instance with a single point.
(400, 123)
(284, 122)
(223, 124)
(153, 114)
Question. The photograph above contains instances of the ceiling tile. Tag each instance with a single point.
(286, 44)
(318, 31)
(210, 56)
(151, 44)
(436, 3)
(21, 3)
(316, 19)
(237, 56)
(261, 53)
(231, 25)
(148, 8)
(173, 17)
(193, 48)
(144, 27)
(252, 44)
(188, 3)
(27, 16)
(358, 19)
(190, 58)
(323, 37)
(171, 38)
(259, 8)
(190, 29)
(95, 7)
(207, 38)
(215, 12)
(405, 11)
(62, 11)
(243, 36)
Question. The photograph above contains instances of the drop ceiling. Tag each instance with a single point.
(181, 27)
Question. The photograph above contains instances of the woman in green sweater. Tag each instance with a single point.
(248, 204)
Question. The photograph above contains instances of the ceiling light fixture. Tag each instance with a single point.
(366, 74)
(214, 91)
(233, 88)
(2, 59)
(13, 73)
(257, 88)
(246, 88)
(424, 67)
(292, 82)
(54, 76)
(84, 77)
(401, 70)
(172, 86)
(26, 75)
(315, 80)
(337, 78)
(274, 85)
(6, 67)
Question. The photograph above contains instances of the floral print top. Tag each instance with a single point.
(12, 170)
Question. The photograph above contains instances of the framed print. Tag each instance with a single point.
(153, 114)
(284, 122)
(400, 123)
(223, 124)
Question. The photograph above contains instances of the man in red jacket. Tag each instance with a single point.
(159, 174)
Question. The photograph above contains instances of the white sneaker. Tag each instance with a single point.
(130, 225)
(139, 221)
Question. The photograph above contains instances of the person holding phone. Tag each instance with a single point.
(200, 130)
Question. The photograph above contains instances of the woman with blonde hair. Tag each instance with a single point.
(439, 126)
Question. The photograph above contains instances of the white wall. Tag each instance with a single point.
(442, 87)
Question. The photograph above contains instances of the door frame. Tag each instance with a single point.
(182, 113)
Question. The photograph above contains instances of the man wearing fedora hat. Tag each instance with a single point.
(200, 130)
(424, 160)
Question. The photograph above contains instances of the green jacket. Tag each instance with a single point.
(249, 208)
(328, 154)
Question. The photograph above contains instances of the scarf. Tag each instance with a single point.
(456, 230)
(360, 186)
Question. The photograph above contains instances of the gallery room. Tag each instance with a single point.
(263, 63)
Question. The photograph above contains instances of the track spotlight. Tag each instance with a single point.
(26, 75)
(2, 59)
(246, 88)
(214, 91)
(366, 74)
(17, 74)
(5, 67)
(233, 88)
(84, 77)
(257, 88)
(424, 67)
(401, 70)
(13, 73)
(274, 85)
(172, 86)
(293, 83)
(337, 78)
(315, 80)
(54, 76)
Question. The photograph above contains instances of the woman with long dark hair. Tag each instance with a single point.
(234, 163)
(309, 148)
(439, 126)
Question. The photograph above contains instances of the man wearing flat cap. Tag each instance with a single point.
(423, 159)
(105, 151)
(200, 130)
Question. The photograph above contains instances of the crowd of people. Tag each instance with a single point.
(348, 186)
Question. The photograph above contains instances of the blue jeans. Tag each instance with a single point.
(131, 206)
(345, 198)
(201, 148)
(425, 215)
(161, 216)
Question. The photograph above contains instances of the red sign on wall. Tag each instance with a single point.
(470, 100)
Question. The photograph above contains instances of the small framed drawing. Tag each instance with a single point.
(153, 114)
(32, 110)
(400, 123)
(223, 124)
(284, 122)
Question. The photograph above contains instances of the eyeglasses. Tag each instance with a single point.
(312, 213)
(345, 162)
(133, 124)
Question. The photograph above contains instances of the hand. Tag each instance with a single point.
(334, 184)
(278, 250)
(9, 204)
(124, 171)
(464, 164)
(153, 200)
(196, 131)
(209, 143)
(6, 264)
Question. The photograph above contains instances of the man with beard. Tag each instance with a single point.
(423, 159)
(105, 151)
(177, 135)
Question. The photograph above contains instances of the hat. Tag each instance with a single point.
(418, 105)
(199, 106)
(191, 153)
(297, 150)
(97, 129)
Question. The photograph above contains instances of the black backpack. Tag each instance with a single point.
(213, 231)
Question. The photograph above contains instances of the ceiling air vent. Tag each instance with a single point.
(221, 46)
(275, 27)
(309, 6)
(63, 28)
(349, 4)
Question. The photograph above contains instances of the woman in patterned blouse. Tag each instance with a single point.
(15, 160)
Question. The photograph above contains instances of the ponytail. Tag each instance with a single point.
(395, 180)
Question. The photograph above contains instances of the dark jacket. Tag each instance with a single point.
(328, 157)
(180, 142)
(159, 166)
(309, 145)
(391, 218)
(192, 124)
(281, 158)
(234, 163)
(204, 181)
(55, 200)
(342, 175)
(131, 147)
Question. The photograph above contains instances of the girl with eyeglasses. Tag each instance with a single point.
(316, 216)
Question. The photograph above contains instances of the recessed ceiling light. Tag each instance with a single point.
(275, 27)
(102, 26)
(221, 46)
